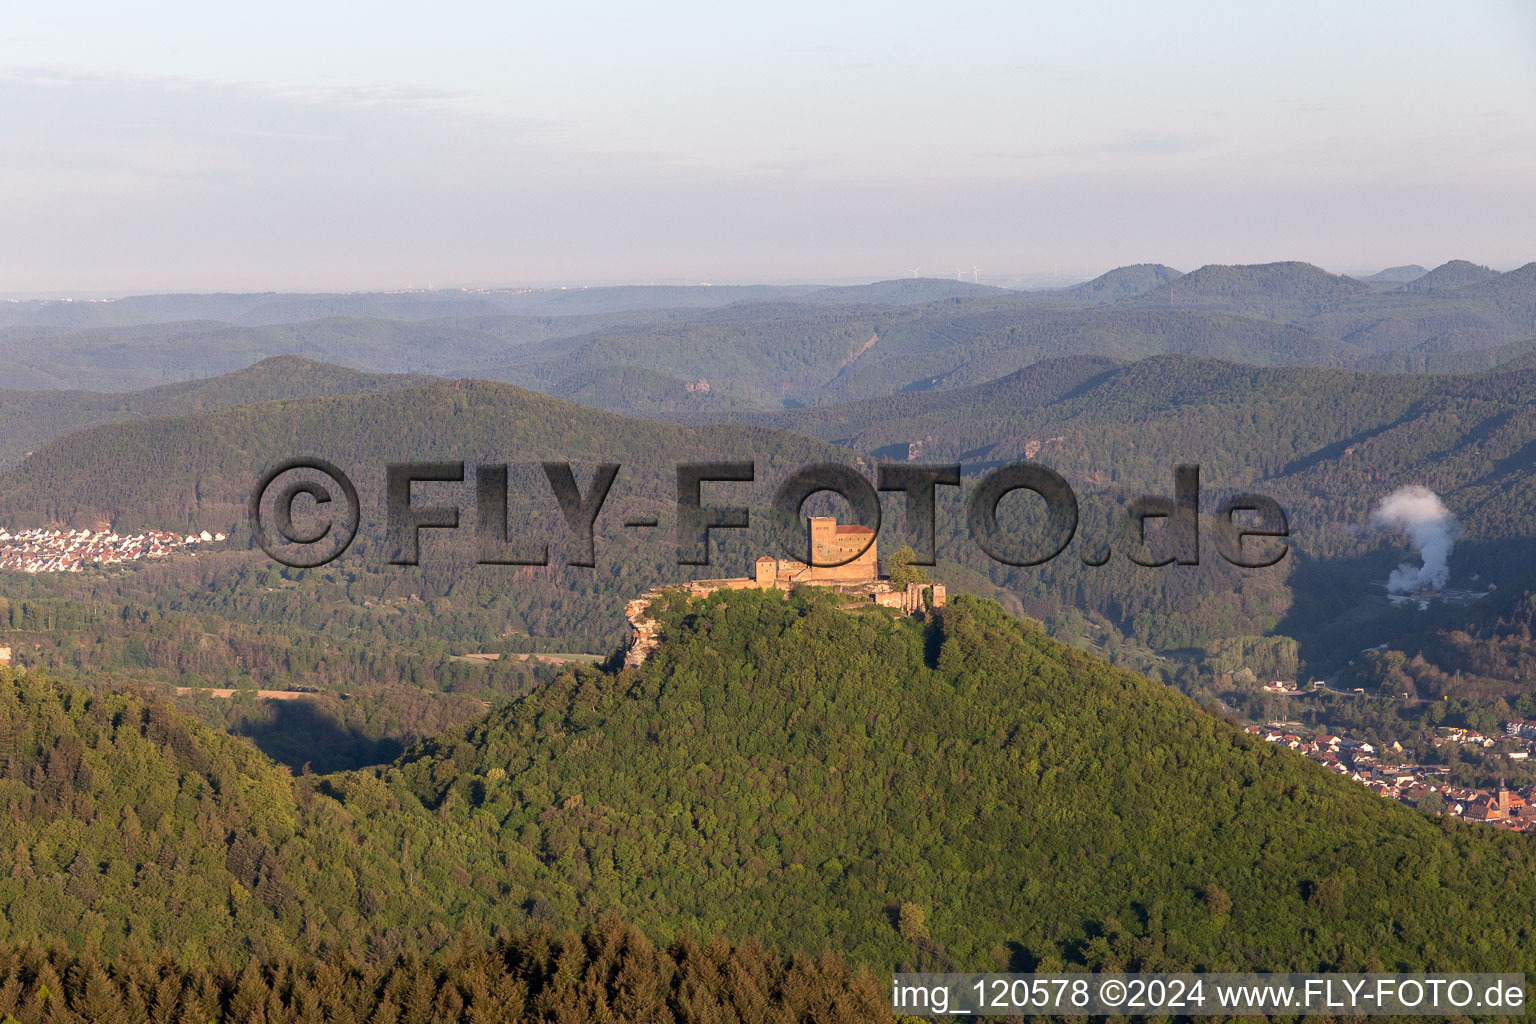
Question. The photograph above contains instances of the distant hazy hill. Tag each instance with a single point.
(251, 309)
(802, 345)
(1472, 317)
(639, 392)
(785, 353)
(778, 350)
(972, 350)
(1279, 291)
(1120, 283)
(132, 358)
(1455, 274)
(626, 298)
(1511, 295)
(1456, 308)
(902, 292)
(28, 419)
(536, 302)
(854, 423)
(1397, 275)
(128, 358)
(1458, 361)
(134, 309)
(264, 308)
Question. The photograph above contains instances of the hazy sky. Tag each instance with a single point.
(316, 146)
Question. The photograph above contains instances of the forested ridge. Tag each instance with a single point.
(1327, 443)
(965, 792)
(772, 347)
(814, 357)
(198, 469)
(30, 419)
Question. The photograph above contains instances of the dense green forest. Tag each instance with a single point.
(782, 769)
(609, 973)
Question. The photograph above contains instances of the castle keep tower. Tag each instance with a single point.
(830, 542)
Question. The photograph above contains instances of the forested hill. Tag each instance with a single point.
(1278, 291)
(129, 357)
(1336, 440)
(1120, 283)
(1279, 314)
(29, 419)
(196, 469)
(793, 771)
(263, 308)
(130, 824)
(1456, 307)
(199, 470)
(965, 794)
(806, 355)
(902, 292)
(1447, 276)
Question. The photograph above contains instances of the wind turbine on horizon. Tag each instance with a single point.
(959, 274)
(914, 272)
(975, 274)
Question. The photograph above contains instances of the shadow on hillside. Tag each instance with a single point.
(299, 732)
(1340, 606)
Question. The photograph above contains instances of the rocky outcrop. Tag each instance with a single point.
(645, 632)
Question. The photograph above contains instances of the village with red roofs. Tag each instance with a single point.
(1422, 785)
(48, 550)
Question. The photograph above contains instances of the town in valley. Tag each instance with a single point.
(50, 550)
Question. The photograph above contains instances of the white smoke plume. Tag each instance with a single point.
(1431, 529)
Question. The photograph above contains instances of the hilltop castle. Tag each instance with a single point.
(827, 541)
